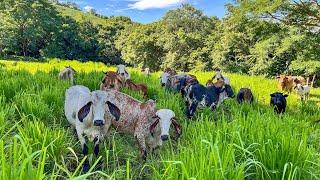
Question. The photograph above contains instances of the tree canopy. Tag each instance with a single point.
(255, 37)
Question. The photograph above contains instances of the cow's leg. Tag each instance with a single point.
(96, 146)
(142, 143)
(84, 147)
(192, 109)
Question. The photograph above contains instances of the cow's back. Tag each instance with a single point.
(131, 110)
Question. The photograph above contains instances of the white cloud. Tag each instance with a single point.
(152, 4)
(88, 8)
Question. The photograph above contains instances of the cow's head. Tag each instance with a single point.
(278, 99)
(97, 106)
(164, 118)
(112, 80)
(164, 78)
(299, 87)
(69, 67)
(122, 70)
(227, 88)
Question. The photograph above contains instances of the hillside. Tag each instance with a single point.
(81, 16)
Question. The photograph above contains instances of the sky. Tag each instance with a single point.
(146, 11)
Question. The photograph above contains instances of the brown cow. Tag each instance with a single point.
(298, 80)
(111, 80)
(285, 83)
(219, 83)
(137, 87)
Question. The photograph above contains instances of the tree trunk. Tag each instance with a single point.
(313, 78)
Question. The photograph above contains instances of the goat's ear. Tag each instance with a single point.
(154, 124)
(114, 110)
(84, 111)
(177, 127)
(272, 95)
(286, 95)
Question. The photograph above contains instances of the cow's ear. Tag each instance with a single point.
(84, 111)
(177, 127)
(114, 110)
(272, 95)
(286, 95)
(154, 124)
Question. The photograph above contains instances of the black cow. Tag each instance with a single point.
(206, 96)
(245, 95)
(278, 102)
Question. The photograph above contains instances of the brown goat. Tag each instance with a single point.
(111, 80)
(137, 87)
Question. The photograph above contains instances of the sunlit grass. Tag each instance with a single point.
(249, 142)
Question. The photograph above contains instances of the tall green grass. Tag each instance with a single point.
(236, 142)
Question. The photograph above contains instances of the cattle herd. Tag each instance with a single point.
(93, 113)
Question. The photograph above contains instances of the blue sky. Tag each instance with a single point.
(146, 11)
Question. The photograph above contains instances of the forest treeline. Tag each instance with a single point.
(254, 37)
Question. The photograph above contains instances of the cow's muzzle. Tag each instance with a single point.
(164, 137)
(98, 122)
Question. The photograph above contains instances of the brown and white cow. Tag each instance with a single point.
(111, 80)
(141, 119)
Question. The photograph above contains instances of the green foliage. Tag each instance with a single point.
(255, 37)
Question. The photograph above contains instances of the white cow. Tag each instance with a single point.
(68, 73)
(85, 111)
(303, 91)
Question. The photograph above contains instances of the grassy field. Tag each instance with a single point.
(248, 142)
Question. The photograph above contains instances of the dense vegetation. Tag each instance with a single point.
(255, 37)
(237, 142)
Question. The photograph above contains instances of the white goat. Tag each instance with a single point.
(303, 91)
(122, 71)
(85, 111)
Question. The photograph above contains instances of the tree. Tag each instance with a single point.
(28, 26)
(186, 30)
(139, 46)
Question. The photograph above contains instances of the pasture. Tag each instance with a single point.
(236, 142)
